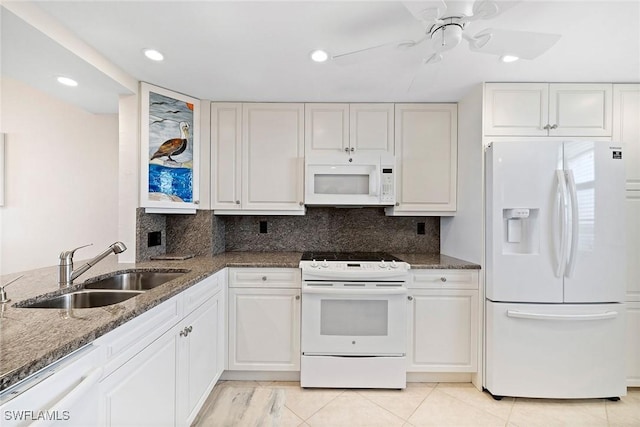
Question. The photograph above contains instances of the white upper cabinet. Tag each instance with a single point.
(350, 128)
(626, 129)
(371, 127)
(257, 158)
(543, 109)
(326, 128)
(426, 159)
(226, 161)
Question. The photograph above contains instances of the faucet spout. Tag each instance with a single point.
(66, 273)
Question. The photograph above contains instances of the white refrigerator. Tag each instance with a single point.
(554, 259)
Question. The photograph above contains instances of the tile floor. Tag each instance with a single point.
(255, 403)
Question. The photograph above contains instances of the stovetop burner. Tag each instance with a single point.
(348, 256)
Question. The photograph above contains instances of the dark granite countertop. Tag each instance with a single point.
(31, 339)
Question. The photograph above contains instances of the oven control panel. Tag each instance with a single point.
(364, 266)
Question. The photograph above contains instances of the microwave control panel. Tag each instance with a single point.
(387, 185)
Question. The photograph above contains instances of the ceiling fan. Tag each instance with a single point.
(445, 25)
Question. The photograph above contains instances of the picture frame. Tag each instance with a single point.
(170, 151)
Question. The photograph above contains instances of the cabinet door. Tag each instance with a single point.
(264, 329)
(426, 160)
(273, 156)
(143, 391)
(516, 109)
(580, 109)
(626, 129)
(198, 362)
(633, 245)
(443, 330)
(326, 128)
(371, 128)
(226, 159)
(633, 344)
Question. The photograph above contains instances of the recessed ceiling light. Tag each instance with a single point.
(67, 81)
(319, 55)
(153, 54)
(509, 58)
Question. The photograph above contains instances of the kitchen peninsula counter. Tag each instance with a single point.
(31, 339)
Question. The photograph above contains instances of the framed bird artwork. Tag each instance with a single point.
(169, 129)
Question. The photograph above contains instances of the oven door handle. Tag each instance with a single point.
(357, 291)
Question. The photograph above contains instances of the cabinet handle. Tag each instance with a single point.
(184, 333)
(190, 328)
(297, 297)
(196, 202)
(237, 202)
(554, 127)
(410, 298)
(443, 279)
(547, 127)
(353, 149)
(346, 149)
(264, 278)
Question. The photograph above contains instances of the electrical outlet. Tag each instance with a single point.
(263, 227)
(421, 228)
(154, 238)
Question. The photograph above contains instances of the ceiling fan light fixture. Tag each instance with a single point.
(319, 55)
(153, 54)
(446, 36)
(509, 58)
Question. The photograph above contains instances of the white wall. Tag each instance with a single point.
(61, 179)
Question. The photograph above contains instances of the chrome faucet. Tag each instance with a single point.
(66, 274)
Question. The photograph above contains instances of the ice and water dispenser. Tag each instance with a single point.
(520, 231)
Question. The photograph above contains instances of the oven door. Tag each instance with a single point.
(339, 320)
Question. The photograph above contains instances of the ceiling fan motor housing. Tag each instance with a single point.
(447, 33)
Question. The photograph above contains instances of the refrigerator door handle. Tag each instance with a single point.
(573, 249)
(545, 316)
(564, 226)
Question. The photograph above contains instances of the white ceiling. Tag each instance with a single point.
(258, 51)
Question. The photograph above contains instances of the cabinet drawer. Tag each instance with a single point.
(264, 277)
(443, 279)
(129, 339)
(201, 292)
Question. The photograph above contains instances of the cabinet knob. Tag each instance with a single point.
(196, 202)
(190, 328)
(184, 333)
(301, 203)
(554, 127)
(264, 278)
(346, 149)
(353, 149)
(410, 298)
(547, 127)
(443, 279)
(397, 203)
(297, 297)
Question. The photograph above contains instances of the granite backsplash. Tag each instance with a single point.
(321, 229)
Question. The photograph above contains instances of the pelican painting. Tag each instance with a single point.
(171, 148)
(174, 146)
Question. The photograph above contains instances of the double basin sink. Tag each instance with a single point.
(109, 290)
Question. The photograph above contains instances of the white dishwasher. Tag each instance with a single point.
(64, 393)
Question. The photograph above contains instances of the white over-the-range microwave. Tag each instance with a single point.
(361, 179)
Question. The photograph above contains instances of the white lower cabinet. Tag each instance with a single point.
(443, 321)
(633, 344)
(264, 321)
(143, 391)
(165, 382)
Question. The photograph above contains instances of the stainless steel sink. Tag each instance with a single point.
(84, 299)
(134, 281)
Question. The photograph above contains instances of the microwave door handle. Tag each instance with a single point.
(374, 186)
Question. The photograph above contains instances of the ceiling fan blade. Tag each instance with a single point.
(523, 44)
(384, 51)
(487, 9)
(427, 12)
